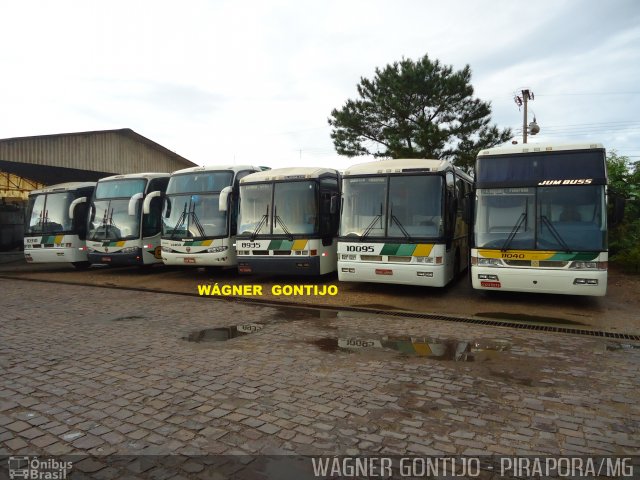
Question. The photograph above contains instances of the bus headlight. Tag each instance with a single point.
(489, 262)
(128, 250)
(584, 265)
(168, 250)
(217, 249)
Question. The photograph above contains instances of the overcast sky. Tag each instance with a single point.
(255, 81)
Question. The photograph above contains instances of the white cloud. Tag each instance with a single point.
(256, 81)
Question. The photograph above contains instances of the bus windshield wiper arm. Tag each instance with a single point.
(400, 226)
(514, 231)
(196, 221)
(263, 221)
(282, 225)
(373, 222)
(555, 233)
(180, 221)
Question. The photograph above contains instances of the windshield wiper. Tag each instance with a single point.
(400, 226)
(373, 222)
(180, 221)
(281, 222)
(263, 220)
(516, 227)
(196, 221)
(555, 233)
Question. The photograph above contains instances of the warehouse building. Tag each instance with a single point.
(29, 163)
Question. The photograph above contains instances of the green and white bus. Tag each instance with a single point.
(541, 219)
(404, 221)
(119, 232)
(56, 224)
(288, 221)
(199, 216)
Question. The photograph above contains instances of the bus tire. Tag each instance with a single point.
(81, 265)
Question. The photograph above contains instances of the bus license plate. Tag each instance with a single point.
(106, 259)
(490, 284)
(189, 260)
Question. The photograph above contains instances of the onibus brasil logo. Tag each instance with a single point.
(33, 468)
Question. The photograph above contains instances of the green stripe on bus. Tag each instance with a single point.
(404, 249)
(280, 245)
(583, 256)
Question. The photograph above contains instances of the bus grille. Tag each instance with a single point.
(541, 263)
(371, 258)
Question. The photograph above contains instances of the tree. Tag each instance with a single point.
(624, 238)
(416, 109)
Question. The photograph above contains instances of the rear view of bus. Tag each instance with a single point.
(199, 216)
(56, 224)
(541, 219)
(289, 221)
(119, 231)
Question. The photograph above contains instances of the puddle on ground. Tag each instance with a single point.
(527, 318)
(222, 334)
(439, 349)
(615, 346)
(128, 317)
(380, 306)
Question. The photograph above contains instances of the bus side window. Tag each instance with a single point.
(151, 222)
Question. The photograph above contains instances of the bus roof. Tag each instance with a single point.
(398, 166)
(293, 173)
(135, 175)
(510, 149)
(63, 187)
(217, 168)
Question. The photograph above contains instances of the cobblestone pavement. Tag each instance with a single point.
(87, 369)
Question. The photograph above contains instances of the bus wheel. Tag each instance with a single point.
(81, 265)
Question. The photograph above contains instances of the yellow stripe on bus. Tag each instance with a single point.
(517, 254)
(423, 250)
(58, 239)
(120, 243)
(299, 244)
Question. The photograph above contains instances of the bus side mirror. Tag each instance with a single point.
(73, 204)
(224, 197)
(333, 206)
(467, 208)
(132, 203)
(617, 214)
(146, 206)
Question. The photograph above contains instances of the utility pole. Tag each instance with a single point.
(521, 100)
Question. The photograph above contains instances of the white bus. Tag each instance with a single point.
(119, 232)
(199, 219)
(541, 219)
(404, 221)
(56, 224)
(289, 221)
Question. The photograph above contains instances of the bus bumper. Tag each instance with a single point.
(422, 275)
(275, 265)
(55, 255)
(117, 258)
(567, 282)
(222, 259)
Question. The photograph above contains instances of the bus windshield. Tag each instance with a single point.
(412, 207)
(566, 217)
(49, 213)
(255, 208)
(200, 182)
(110, 220)
(415, 206)
(294, 212)
(193, 216)
(295, 208)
